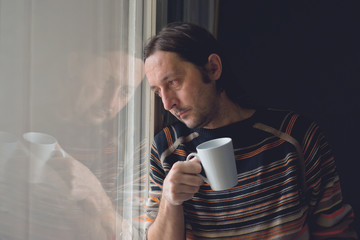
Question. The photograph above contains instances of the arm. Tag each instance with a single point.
(169, 223)
(180, 185)
(330, 218)
(98, 215)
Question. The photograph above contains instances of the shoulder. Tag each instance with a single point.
(280, 118)
(174, 134)
(287, 121)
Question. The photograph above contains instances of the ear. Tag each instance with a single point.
(214, 66)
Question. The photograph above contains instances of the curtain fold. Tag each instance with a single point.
(74, 126)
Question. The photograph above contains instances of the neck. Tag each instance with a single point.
(228, 113)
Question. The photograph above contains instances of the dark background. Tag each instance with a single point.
(304, 56)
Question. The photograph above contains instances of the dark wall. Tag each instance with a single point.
(303, 56)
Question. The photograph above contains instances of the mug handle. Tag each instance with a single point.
(197, 156)
(59, 150)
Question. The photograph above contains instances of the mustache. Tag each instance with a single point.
(177, 111)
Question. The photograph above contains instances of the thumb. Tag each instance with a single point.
(194, 159)
(58, 153)
(196, 163)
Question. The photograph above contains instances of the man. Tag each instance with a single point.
(287, 187)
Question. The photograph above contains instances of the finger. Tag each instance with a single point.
(188, 167)
(194, 159)
(58, 152)
(186, 179)
(188, 189)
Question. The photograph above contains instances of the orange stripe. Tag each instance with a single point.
(291, 124)
(155, 158)
(276, 231)
(156, 170)
(180, 152)
(330, 233)
(259, 150)
(168, 136)
(155, 199)
(261, 173)
(269, 170)
(144, 219)
(328, 193)
(154, 149)
(310, 139)
(153, 181)
(313, 149)
(333, 215)
(248, 209)
(329, 160)
(289, 195)
(283, 229)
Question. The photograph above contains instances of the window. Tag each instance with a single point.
(74, 128)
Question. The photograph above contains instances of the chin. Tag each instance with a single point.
(196, 124)
(99, 116)
(190, 124)
(91, 119)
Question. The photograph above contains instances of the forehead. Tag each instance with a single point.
(162, 59)
(161, 64)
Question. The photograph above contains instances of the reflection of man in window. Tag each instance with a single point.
(99, 86)
(79, 196)
(93, 115)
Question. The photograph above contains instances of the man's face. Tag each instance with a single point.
(181, 86)
(106, 85)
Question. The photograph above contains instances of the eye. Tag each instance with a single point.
(174, 83)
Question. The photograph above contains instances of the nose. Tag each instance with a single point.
(169, 99)
(111, 99)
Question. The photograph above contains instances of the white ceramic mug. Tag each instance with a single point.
(218, 161)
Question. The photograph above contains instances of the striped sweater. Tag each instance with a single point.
(288, 187)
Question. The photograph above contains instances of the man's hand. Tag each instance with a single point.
(182, 182)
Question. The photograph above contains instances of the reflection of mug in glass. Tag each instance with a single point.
(41, 147)
(218, 161)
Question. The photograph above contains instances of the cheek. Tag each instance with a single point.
(88, 96)
(203, 93)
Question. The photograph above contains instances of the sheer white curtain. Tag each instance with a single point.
(74, 125)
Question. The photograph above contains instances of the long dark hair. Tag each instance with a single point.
(194, 44)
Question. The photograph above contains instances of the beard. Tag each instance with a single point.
(200, 115)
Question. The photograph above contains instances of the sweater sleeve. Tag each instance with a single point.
(156, 178)
(329, 217)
